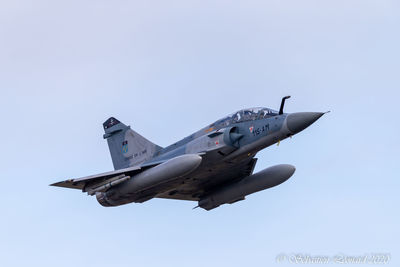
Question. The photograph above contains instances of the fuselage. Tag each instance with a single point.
(228, 147)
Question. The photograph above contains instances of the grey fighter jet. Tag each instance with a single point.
(213, 166)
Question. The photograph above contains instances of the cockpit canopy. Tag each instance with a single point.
(249, 114)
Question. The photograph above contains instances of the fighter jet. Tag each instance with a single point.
(212, 166)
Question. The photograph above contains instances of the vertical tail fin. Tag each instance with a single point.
(127, 147)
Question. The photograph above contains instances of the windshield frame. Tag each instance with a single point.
(248, 114)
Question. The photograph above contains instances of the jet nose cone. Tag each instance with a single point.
(297, 122)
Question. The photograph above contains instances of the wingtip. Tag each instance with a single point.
(61, 183)
(54, 184)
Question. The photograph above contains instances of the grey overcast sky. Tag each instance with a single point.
(168, 68)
